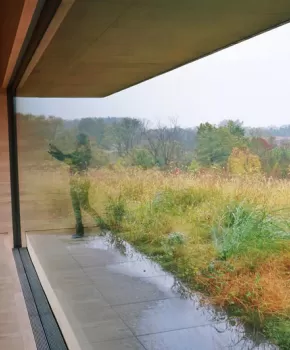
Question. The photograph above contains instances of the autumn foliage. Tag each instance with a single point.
(241, 161)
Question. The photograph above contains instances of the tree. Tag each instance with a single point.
(277, 161)
(242, 161)
(93, 127)
(236, 128)
(163, 143)
(215, 144)
(124, 135)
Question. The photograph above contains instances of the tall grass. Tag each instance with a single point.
(249, 230)
(227, 237)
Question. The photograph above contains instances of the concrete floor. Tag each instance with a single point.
(15, 330)
(106, 296)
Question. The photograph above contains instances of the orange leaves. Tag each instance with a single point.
(265, 290)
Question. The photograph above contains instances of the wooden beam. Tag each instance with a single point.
(62, 11)
(23, 25)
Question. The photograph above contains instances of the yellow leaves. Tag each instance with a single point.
(242, 161)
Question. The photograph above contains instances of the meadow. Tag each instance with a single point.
(227, 237)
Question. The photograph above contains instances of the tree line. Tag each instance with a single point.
(133, 142)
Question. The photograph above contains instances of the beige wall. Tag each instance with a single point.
(5, 199)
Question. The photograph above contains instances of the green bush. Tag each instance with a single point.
(142, 158)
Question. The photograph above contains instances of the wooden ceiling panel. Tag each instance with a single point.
(102, 47)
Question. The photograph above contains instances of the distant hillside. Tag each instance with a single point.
(70, 124)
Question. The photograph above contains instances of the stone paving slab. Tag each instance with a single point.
(162, 316)
(107, 296)
(15, 329)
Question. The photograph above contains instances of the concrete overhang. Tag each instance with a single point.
(94, 48)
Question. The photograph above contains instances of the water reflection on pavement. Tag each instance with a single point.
(122, 300)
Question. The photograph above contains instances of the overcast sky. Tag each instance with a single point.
(249, 81)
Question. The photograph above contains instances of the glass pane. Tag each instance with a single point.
(48, 163)
(196, 202)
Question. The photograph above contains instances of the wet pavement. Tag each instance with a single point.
(106, 296)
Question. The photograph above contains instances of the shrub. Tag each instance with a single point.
(115, 211)
(142, 158)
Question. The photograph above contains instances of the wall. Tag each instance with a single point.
(5, 199)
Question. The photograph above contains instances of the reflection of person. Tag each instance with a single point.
(78, 161)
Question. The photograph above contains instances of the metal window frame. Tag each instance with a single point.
(47, 334)
(44, 13)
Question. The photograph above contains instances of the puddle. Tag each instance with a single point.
(156, 314)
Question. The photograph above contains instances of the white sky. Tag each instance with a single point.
(249, 81)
